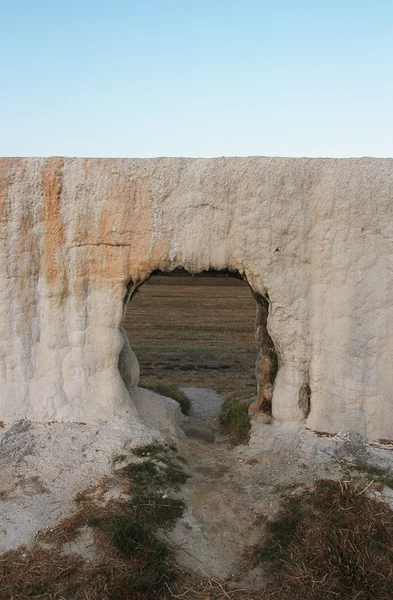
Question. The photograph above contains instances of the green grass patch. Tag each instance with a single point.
(119, 458)
(378, 474)
(235, 421)
(155, 450)
(128, 535)
(156, 510)
(150, 474)
(80, 498)
(171, 391)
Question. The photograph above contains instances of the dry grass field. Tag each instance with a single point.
(195, 333)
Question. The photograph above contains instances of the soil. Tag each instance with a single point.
(231, 493)
(234, 491)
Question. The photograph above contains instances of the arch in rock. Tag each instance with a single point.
(266, 362)
(311, 235)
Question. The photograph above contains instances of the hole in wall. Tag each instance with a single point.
(201, 330)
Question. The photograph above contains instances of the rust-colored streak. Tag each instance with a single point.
(126, 218)
(54, 228)
(115, 226)
(3, 185)
(122, 225)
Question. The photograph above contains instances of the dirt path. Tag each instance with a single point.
(230, 495)
(218, 524)
(234, 491)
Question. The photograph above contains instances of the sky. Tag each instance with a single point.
(145, 78)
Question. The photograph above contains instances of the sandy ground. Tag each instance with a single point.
(44, 466)
(231, 493)
(234, 491)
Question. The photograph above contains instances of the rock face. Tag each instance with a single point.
(312, 236)
(128, 365)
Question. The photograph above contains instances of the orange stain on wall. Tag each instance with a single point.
(54, 228)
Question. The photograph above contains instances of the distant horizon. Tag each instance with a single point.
(201, 157)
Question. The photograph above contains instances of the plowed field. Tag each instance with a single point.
(195, 335)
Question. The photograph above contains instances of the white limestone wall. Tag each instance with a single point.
(315, 235)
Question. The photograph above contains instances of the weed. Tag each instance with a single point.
(149, 473)
(80, 498)
(175, 477)
(174, 392)
(280, 535)
(160, 452)
(143, 474)
(140, 573)
(386, 480)
(154, 450)
(127, 535)
(38, 573)
(378, 474)
(118, 458)
(330, 541)
(93, 521)
(157, 510)
(235, 420)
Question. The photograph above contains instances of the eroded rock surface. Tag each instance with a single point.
(314, 236)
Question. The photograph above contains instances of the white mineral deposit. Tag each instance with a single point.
(313, 237)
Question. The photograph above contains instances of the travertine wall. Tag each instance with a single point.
(314, 236)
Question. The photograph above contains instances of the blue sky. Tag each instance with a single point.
(196, 78)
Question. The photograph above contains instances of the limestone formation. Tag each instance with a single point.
(266, 365)
(311, 236)
(128, 365)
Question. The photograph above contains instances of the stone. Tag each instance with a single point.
(128, 364)
(313, 237)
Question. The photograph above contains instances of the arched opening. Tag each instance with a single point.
(203, 330)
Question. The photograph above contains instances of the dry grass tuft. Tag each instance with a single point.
(39, 573)
(235, 420)
(333, 541)
(198, 585)
(68, 529)
(50, 575)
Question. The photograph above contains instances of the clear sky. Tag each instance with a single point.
(196, 77)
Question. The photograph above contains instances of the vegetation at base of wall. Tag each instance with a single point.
(366, 472)
(162, 452)
(235, 421)
(171, 391)
(149, 473)
(332, 541)
(132, 563)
